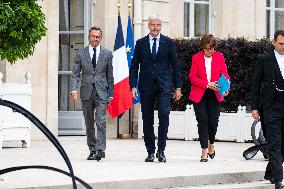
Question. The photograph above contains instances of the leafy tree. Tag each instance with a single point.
(22, 25)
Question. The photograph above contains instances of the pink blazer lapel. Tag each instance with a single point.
(202, 68)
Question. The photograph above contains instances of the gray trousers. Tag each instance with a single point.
(95, 142)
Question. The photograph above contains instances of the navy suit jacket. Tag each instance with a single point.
(165, 67)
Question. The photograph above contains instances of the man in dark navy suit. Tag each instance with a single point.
(269, 74)
(159, 70)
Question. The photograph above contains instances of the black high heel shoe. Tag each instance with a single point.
(211, 155)
(204, 160)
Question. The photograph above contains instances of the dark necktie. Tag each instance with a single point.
(154, 53)
(94, 59)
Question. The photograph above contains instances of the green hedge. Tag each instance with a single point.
(240, 56)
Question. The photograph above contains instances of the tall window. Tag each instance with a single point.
(274, 16)
(73, 32)
(197, 17)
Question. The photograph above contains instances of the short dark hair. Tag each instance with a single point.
(277, 33)
(96, 28)
(208, 39)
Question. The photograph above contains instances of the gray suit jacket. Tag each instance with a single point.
(102, 77)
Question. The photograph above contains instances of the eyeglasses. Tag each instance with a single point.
(95, 37)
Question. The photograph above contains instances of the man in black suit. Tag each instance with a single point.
(269, 72)
(159, 69)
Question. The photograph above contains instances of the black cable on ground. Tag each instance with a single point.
(12, 169)
(45, 130)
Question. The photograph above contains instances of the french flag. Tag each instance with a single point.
(122, 99)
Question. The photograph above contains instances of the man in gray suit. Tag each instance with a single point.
(96, 90)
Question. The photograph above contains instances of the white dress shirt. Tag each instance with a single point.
(152, 42)
(280, 61)
(208, 67)
(91, 51)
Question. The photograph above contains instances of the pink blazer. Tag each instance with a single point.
(198, 77)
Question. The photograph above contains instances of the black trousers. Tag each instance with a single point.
(207, 113)
(274, 123)
(148, 99)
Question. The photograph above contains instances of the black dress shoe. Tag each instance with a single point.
(161, 157)
(100, 154)
(92, 155)
(211, 155)
(270, 178)
(279, 185)
(150, 158)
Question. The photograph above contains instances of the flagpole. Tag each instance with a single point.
(118, 7)
(118, 117)
(129, 6)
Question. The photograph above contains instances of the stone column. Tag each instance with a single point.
(52, 66)
(137, 20)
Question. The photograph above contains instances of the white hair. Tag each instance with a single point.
(154, 17)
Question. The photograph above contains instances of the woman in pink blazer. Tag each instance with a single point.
(207, 66)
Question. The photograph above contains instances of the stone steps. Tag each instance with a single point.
(243, 180)
(248, 185)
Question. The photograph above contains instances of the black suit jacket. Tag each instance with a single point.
(165, 66)
(267, 76)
